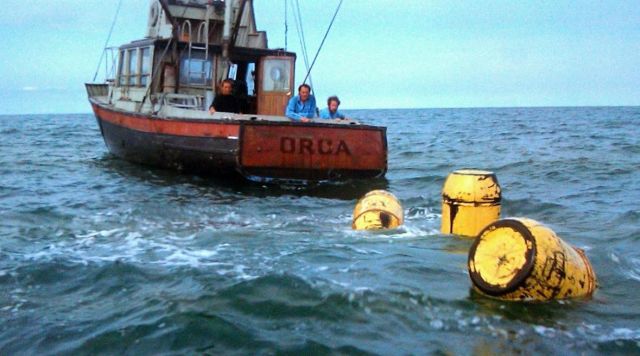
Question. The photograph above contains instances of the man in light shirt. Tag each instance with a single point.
(302, 107)
(331, 111)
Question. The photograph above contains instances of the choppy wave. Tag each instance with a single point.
(98, 255)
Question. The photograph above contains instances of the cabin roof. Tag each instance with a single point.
(139, 43)
(195, 3)
(237, 51)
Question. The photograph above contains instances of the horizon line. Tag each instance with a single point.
(399, 108)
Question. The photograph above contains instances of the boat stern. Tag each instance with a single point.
(314, 152)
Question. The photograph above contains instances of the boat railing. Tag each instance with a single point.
(97, 89)
(181, 101)
(109, 58)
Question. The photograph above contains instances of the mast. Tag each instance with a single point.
(236, 25)
(226, 32)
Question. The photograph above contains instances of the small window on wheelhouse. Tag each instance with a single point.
(233, 70)
(133, 66)
(122, 79)
(276, 75)
(145, 72)
(195, 69)
(250, 78)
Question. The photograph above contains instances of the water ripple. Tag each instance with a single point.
(98, 255)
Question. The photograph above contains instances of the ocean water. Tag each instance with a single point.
(100, 256)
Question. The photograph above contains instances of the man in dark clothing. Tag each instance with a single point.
(225, 101)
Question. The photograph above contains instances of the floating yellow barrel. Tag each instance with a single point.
(470, 201)
(521, 259)
(377, 210)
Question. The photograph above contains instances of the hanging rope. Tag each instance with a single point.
(106, 43)
(154, 77)
(301, 30)
(322, 43)
(303, 44)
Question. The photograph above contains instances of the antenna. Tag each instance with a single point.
(286, 26)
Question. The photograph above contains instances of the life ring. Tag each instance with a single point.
(153, 14)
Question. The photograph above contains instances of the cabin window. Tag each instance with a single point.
(122, 79)
(276, 74)
(233, 71)
(195, 69)
(133, 66)
(250, 78)
(145, 72)
(243, 75)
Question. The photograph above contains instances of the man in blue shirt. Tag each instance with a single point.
(331, 111)
(303, 106)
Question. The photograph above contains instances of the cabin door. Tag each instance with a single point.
(275, 84)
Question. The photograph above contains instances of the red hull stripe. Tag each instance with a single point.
(167, 127)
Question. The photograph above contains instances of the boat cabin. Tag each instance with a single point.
(190, 47)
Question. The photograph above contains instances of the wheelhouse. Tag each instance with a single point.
(182, 70)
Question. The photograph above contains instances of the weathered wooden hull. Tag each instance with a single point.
(259, 150)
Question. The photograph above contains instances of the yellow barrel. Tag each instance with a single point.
(470, 201)
(377, 210)
(521, 259)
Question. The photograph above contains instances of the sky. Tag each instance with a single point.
(379, 53)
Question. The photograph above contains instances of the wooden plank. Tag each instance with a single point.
(273, 99)
(312, 147)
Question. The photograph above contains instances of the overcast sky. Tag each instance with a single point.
(379, 54)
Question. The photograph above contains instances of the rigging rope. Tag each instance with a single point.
(106, 43)
(303, 43)
(155, 75)
(322, 43)
(174, 40)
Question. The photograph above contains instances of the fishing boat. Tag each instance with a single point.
(154, 109)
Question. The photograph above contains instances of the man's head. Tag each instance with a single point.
(226, 87)
(304, 91)
(333, 102)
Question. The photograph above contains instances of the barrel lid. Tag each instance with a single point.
(472, 186)
(502, 257)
